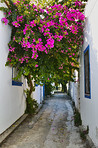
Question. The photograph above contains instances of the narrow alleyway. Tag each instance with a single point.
(54, 127)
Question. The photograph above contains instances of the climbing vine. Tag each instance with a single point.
(45, 41)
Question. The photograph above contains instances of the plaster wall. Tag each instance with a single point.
(38, 94)
(89, 107)
(12, 99)
(74, 90)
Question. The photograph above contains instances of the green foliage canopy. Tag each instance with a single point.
(45, 41)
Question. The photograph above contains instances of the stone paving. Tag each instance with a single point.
(52, 127)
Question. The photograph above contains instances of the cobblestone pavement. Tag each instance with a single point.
(52, 127)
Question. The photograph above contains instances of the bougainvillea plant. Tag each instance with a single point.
(45, 42)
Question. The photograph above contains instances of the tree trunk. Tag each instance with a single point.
(32, 104)
(29, 80)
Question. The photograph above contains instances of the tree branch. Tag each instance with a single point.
(7, 3)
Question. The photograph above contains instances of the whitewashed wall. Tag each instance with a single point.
(89, 107)
(38, 94)
(74, 90)
(12, 100)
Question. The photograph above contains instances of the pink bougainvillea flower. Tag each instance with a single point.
(9, 12)
(39, 39)
(16, 24)
(27, 27)
(33, 40)
(33, 55)
(20, 18)
(32, 23)
(60, 38)
(18, 1)
(14, 3)
(61, 67)
(36, 56)
(78, 3)
(47, 36)
(36, 65)
(4, 20)
(50, 43)
(28, 45)
(74, 29)
(13, 38)
(21, 60)
(11, 49)
(65, 32)
(72, 64)
(27, 61)
(9, 59)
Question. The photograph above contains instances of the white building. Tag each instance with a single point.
(12, 100)
(88, 104)
(12, 97)
(74, 90)
(89, 71)
(39, 93)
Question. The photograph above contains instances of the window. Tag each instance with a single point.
(87, 73)
(14, 74)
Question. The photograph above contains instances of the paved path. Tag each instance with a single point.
(54, 127)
